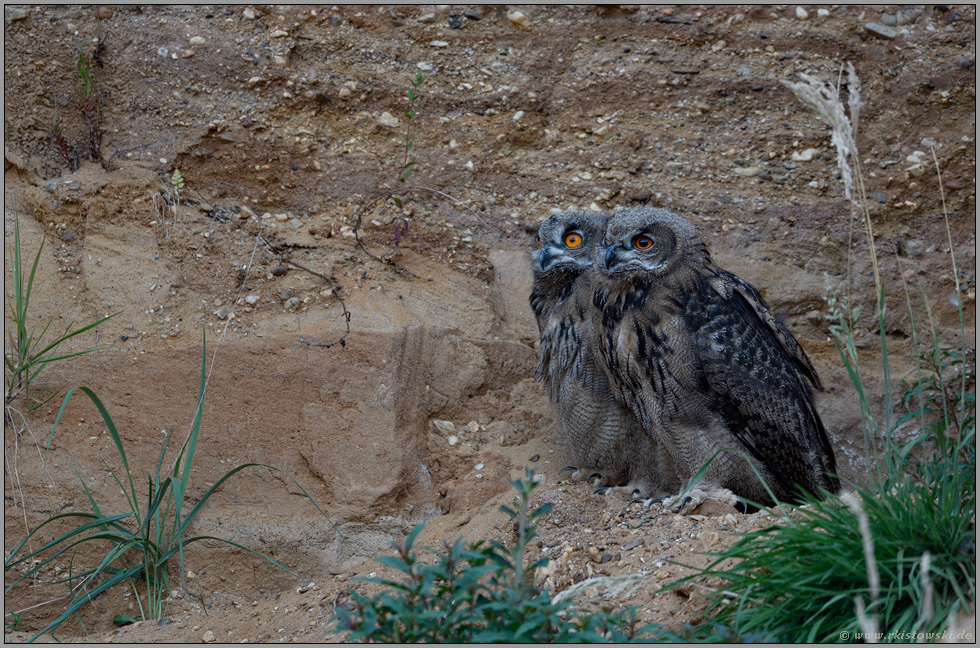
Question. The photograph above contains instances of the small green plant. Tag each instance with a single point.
(29, 351)
(15, 619)
(478, 593)
(69, 154)
(940, 396)
(405, 165)
(400, 221)
(143, 541)
(171, 188)
(91, 144)
(169, 196)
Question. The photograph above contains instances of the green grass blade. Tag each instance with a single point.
(185, 522)
(67, 336)
(170, 554)
(97, 521)
(88, 597)
(310, 497)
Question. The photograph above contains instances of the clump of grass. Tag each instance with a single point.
(894, 558)
(30, 350)
(905, 552)
(137, 546)
(476, 593)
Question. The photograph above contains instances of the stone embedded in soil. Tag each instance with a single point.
(388, 120)
(880, 31)
(748, 172)
(908, 15)
(444, 427)
(519, 19)
(279, 271)
(805, 156)
(633, 544)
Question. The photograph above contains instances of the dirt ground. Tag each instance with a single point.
(285, 123)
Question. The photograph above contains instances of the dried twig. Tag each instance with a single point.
(335, 291)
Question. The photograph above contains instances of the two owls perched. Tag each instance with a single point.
(657, 360)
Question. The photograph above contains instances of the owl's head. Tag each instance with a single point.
(566, 242)
(649, 241)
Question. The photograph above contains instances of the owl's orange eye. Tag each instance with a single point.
(573, 239)
(643, 242)
(539, 244)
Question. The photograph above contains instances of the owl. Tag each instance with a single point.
(705, 366)
(595, 426)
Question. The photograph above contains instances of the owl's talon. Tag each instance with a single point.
(654, 500)
(684, 503)
(601, 490)
(745, 505)
(595, 474)
(572, 468)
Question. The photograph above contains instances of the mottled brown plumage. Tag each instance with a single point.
(705, 365)
(594, 425)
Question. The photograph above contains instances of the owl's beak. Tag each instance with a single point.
(547, 257)
(615, 256)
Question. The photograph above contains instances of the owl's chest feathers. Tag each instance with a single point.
(647, 341)
(567, 347)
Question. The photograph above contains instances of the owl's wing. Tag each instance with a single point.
(756, 373)
(727, 285)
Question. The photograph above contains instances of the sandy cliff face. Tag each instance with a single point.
(282, 122)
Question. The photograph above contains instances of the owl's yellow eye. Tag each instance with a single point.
(539, 244)
(573, 239)
(643, 242)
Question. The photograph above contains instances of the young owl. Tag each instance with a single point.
(594, 426)
(705, 365)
